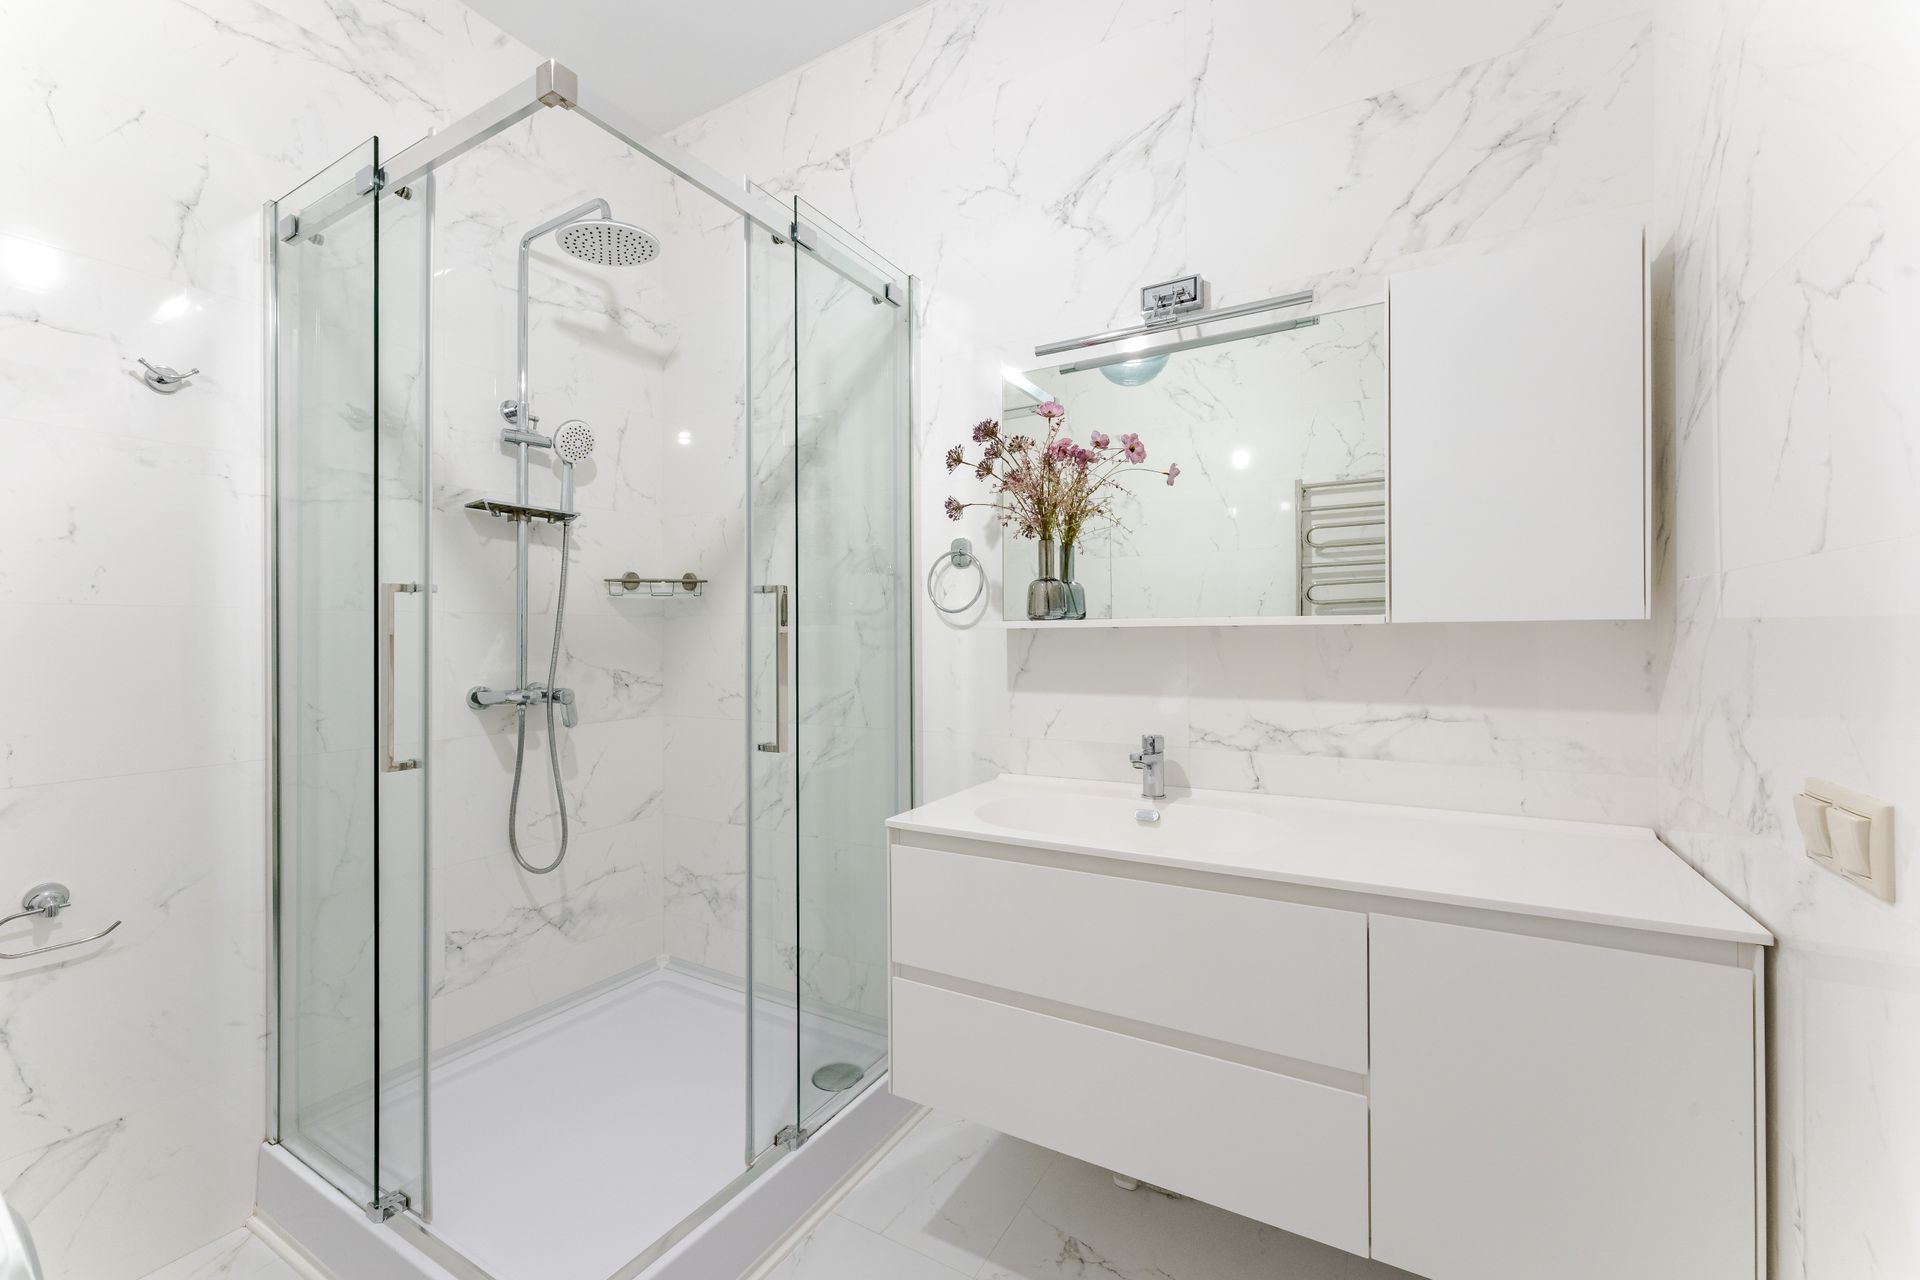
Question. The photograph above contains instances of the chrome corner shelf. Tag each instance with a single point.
(629, 584)
(521, 511)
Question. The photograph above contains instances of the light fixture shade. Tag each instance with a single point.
(1134, 373)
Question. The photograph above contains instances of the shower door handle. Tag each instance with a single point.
(782, 664)
(384, 665)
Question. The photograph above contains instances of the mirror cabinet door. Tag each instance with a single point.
(1520, 445)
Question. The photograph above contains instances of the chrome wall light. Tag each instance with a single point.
(1167, 309)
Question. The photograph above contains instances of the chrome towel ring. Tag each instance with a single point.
(48, 901)
(960, 556)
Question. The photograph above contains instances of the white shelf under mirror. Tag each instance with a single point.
(1112, 624)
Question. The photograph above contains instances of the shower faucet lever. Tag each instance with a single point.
(480, 698)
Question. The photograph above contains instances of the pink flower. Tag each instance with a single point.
(1100, 440)
(1060, 450)
(955, 456)
(1131, 446)
(985, 430)
(954, 508)
(1172, 471)
(1051, 410)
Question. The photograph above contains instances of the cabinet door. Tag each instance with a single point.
(1548, 1108)
(1518, 433)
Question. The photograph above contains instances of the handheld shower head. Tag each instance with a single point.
(572, 443)
(607, 243)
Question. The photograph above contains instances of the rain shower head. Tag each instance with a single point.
(573, 442)
(607, 243)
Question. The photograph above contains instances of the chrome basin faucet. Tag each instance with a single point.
(1151, 761)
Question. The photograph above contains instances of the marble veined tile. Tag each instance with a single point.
(239, 1255)
(1826, 419)
(1078, 1223)
(842, 1250)
(950, 1190)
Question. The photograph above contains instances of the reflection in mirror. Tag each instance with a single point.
(1280, 509)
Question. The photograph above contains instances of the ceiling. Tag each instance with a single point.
(669, 62)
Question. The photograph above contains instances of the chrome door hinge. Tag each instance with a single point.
(791, 1137)
(389, 1204)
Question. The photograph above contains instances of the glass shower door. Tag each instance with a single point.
(345, 641)
(829, 663)
(852, 673)
(773, 778)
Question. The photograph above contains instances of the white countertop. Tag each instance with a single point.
(1590, 872)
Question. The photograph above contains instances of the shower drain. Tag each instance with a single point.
(836, 1077)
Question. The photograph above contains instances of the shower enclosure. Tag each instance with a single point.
(554, 1072)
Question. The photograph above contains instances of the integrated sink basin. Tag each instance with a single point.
(1111, 821)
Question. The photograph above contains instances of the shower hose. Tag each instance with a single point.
(553, 739)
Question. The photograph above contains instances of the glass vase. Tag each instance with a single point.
(1049, 598)
(1076, 594)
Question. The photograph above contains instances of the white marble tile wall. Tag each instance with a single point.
(142, 137)
(1035, 162)
(504, 941)
(1790, 431)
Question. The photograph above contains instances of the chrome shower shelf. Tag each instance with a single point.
(521, 511)
(633, 584)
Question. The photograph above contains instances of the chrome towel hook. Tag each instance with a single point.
(48, 900)
(164, 378)
(960, 556)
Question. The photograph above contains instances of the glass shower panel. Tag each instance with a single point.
(852, 686)
(402, 587)
(773, 780)
(326, 612)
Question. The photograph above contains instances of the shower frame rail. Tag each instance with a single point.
(555, 85)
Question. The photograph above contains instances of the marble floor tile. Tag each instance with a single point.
(1077, 1223)
(950, 1190)
(958, 1199)
(842, 1250)
(238, 1255)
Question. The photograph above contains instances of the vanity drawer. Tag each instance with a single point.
(1281, 1150)
(1275, 976)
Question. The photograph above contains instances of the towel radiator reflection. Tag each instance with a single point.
(1341, 552)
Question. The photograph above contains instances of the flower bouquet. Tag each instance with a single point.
(1052, 490)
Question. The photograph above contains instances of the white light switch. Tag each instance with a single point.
(1850, 836)
(1848, 832)
(1812, 814)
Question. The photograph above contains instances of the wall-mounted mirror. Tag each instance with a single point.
(1279, 506)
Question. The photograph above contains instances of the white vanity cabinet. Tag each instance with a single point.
(1475, 1048)
(1519, 450)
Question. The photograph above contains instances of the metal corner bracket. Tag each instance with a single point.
(389, 1206)
(555, 85)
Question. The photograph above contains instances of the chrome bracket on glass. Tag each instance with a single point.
(389, 1206)
(790, 1137)
(385, 692)
(48, 901)
(782, 664)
